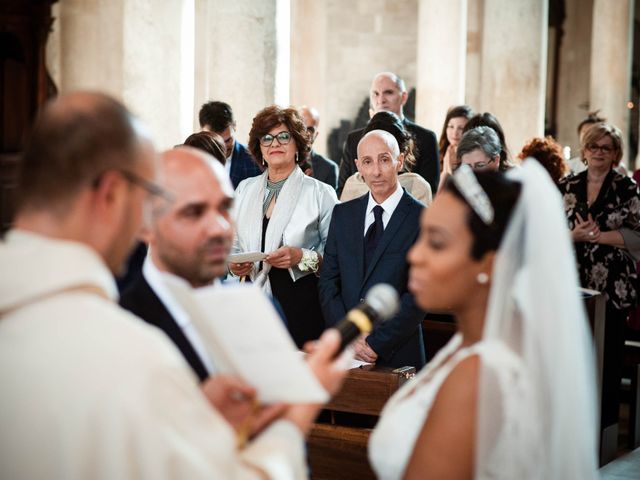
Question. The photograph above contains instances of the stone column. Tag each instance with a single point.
(474, 52)
(574, 72)
(153, 64)
(86, 46)
(610, 86)
(309, 62)
(514, 64)
(441, 58)
(236, 56)
(132, 50)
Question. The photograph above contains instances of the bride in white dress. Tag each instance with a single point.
(512, 395)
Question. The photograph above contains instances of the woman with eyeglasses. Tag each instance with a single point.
(285, 214)
(603, 209)
(480, 148)
(487, 119)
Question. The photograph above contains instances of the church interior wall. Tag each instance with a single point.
(165, 59)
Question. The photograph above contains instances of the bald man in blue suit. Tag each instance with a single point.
(367, 244)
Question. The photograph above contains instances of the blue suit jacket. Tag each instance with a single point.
(242, 165)
(344, 283)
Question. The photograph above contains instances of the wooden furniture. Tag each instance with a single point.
(631, 366)
(24, 85)
(337, 445)
(437, 330)
(595, 304)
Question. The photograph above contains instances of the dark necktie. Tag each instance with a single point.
(373, 236)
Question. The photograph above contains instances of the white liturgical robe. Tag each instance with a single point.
(90, 391)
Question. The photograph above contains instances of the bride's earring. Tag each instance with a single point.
(482, 278)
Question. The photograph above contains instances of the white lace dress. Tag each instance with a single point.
(402, 419)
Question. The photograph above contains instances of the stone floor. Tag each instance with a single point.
(627, 464)
(626, 467)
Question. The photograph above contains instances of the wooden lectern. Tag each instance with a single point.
(337, 444)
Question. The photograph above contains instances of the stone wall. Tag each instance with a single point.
(130, 49)
(164, 59)
(351, 42)
(236, 56)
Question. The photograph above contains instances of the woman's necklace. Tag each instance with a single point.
(593, 188)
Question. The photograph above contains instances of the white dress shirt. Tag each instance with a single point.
(388, 207)
(153, 276)
(227, 163)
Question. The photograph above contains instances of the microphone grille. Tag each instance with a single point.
(383, 298)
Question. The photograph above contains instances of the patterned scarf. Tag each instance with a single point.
(273, 190)
(249, 219)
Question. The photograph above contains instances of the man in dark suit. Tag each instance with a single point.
(367, 244)
(388, 92)
(189, 238)
(218, 117)
(323, 169)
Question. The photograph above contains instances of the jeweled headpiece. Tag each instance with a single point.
(467, 184)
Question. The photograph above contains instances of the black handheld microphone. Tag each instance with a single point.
(380, 304)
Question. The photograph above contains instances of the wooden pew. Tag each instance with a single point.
(595, 305)
(337, 445)
(631, 365)
(437, 330)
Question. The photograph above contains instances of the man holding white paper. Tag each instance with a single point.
(189, 239)
(211, 324)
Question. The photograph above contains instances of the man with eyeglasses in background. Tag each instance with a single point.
(388, 93)
(323, 169)
(217, 117)
(89, 390)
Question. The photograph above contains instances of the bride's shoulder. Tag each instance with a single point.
(503, 369)
(461, 384)
(496, 354)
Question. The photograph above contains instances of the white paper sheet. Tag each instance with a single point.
(357, 363)
(246, 257)
(246, 337)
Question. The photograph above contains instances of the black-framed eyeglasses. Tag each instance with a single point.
(481, 165)
(148, 186)
(283, 138)
(593, 148)
(311, 130)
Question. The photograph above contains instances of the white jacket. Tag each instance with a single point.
(88, 391)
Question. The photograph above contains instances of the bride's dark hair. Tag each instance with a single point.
(503, 194)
